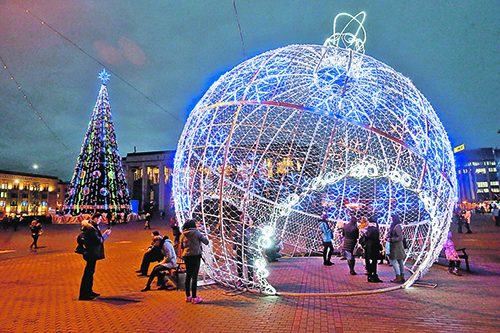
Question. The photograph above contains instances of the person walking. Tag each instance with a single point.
(351, 235)
(36, 231)
(93, 243)
(396, 249)
(190, 247)
(326, 235)
(372, 247)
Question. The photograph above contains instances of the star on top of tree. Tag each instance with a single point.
(104, 76)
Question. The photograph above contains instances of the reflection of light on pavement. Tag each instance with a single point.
(7, 251)
(124, 242)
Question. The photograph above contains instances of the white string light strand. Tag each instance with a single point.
(31, 104)
(239, 29)
(99, 62)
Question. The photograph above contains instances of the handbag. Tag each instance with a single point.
(405, 243)
(80, 239)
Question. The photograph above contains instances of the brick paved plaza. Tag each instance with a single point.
(39, 291)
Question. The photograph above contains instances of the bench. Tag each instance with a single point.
(174, 272)
(462, 255)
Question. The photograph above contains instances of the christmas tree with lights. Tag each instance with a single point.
(98, 183)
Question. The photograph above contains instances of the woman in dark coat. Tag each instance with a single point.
(371, 244)
(396, 249)
(93, 250)
(351, 235)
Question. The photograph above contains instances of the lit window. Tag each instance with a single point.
(476, 163)
(480, 170)
(495, 190)
(3, 194)
(24, 203)
(4, 186)
(2, 203)
(482, 184)
(493, 183)
(492, 169)
(44, 204)
(482, 190)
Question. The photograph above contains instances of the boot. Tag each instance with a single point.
(402, 277)
(399, 279)
(451, 265)
(456, 269)
(375, 279)
(351, 266)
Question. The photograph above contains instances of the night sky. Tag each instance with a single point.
(163, 56)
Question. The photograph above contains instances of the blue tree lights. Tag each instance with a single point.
(306, 129)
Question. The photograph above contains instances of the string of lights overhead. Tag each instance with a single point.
(43, 22)
(35, 111)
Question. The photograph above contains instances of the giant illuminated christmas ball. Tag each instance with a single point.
(302, 130)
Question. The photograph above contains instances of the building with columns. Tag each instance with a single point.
(149, 179)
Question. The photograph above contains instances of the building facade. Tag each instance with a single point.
(149, 179)
(30, 194)
(478, 173)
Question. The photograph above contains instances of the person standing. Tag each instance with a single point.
(36, 231)
(243, 244)
(190, 247)
(5, 222)
(467, 216)
(496, 213)
(396, 250)
(93, 242)
(147, 225)
(372, 248)
(326, 235)
(176, 232)
(351, 235)
(460, 220)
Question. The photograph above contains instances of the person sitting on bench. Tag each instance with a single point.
(451, 256)
(152, 254)
(169, 262)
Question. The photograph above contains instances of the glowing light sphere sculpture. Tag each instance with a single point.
(302, 130)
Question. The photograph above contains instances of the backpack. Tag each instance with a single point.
(80, 240)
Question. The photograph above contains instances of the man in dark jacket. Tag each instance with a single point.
(93, 242)
(151, 255)
(370, 241)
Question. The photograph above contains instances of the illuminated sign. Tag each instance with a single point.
(459, 148)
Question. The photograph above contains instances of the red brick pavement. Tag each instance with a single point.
(39, 292)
